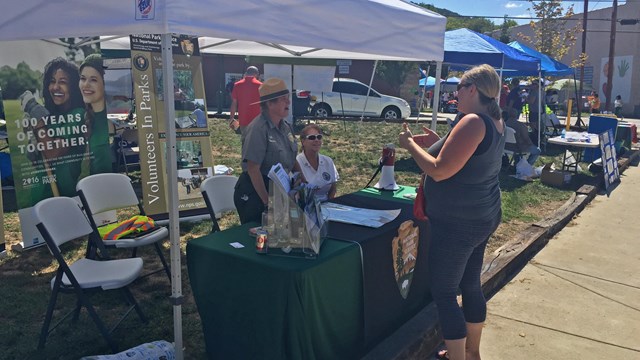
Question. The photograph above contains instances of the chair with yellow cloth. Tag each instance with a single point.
(60, 220)
(104, 192)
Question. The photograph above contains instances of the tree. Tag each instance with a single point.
(15, 81)
(504, 29)
(395, 72)
(455, 21)
(552, 34)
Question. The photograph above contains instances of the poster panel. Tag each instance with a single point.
(195, 160)
(57, 131)
(316, 79)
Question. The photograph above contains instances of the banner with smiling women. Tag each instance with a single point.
(58, 137)
(193, 145)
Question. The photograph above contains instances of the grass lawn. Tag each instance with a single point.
(355, 148)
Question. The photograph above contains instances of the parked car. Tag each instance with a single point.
(348, 97)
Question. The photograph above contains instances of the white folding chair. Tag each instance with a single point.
(217, 192)
(60, 220)
(104, 192)
(511, 146)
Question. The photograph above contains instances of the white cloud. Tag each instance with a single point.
(512, 5)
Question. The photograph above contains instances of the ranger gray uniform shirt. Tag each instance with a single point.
(268, 145)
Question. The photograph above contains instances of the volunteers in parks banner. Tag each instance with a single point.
(193, 145)
(57, 130)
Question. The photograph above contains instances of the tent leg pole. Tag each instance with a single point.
(172, 173)
(436, 96)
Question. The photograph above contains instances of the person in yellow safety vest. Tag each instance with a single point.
(136, 224)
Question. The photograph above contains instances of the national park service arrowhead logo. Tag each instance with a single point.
(404, 248)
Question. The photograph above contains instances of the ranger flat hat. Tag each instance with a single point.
(272, 88)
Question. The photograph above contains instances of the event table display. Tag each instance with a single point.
(576, 146)
(360, 288)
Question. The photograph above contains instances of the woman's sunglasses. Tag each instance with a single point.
(463, 85)
(313, 137)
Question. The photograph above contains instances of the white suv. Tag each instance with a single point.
(348, 98)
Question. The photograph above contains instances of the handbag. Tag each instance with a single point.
(420, 203)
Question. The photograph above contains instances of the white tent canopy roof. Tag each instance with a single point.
(391, 28)
(211, 45)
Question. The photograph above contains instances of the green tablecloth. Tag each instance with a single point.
(269, 307)
(397, 195)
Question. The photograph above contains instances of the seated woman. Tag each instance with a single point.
(318, 169)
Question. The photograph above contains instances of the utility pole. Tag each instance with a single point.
(579, 103)
(612, 51)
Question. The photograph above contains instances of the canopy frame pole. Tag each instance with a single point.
(436, 96)
(366, 100)
(373, 73)
(172, 173)
(539, 104)
(424, 90)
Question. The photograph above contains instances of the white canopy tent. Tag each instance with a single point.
(409, 32)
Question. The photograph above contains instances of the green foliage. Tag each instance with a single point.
(504, 30)
(552, 34)
(15, 81)
(394, 72)
(454, 21)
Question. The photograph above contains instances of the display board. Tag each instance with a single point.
(59, 133)
(193, 145)
(609, 158)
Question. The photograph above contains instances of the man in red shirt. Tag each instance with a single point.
(245, 98)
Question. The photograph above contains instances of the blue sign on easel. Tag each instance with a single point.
(609, 158)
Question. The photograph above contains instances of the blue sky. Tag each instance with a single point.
(516, 8)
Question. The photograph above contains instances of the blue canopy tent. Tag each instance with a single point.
(467, 47)
(548, 65)
(428, 81)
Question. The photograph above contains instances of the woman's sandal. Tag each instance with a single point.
(442, 354)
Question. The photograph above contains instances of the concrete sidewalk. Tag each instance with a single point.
(579, 297)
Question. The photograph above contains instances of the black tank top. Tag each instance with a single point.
(472, 195)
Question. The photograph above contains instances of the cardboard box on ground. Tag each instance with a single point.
(554, 177)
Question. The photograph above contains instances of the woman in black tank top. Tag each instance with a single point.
(462, 197)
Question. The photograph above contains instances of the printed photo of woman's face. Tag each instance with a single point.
(59, 87)
(91, 85)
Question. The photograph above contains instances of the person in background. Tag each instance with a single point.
(514, 100)
(523, 141)
(617, 106)
(594, 103)
(319, 170)
(462, 195)
(92, 88)
(269, 140)
(504, 93)
(245, 99)
(552, 100)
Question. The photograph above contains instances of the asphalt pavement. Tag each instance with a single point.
(579, 297)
